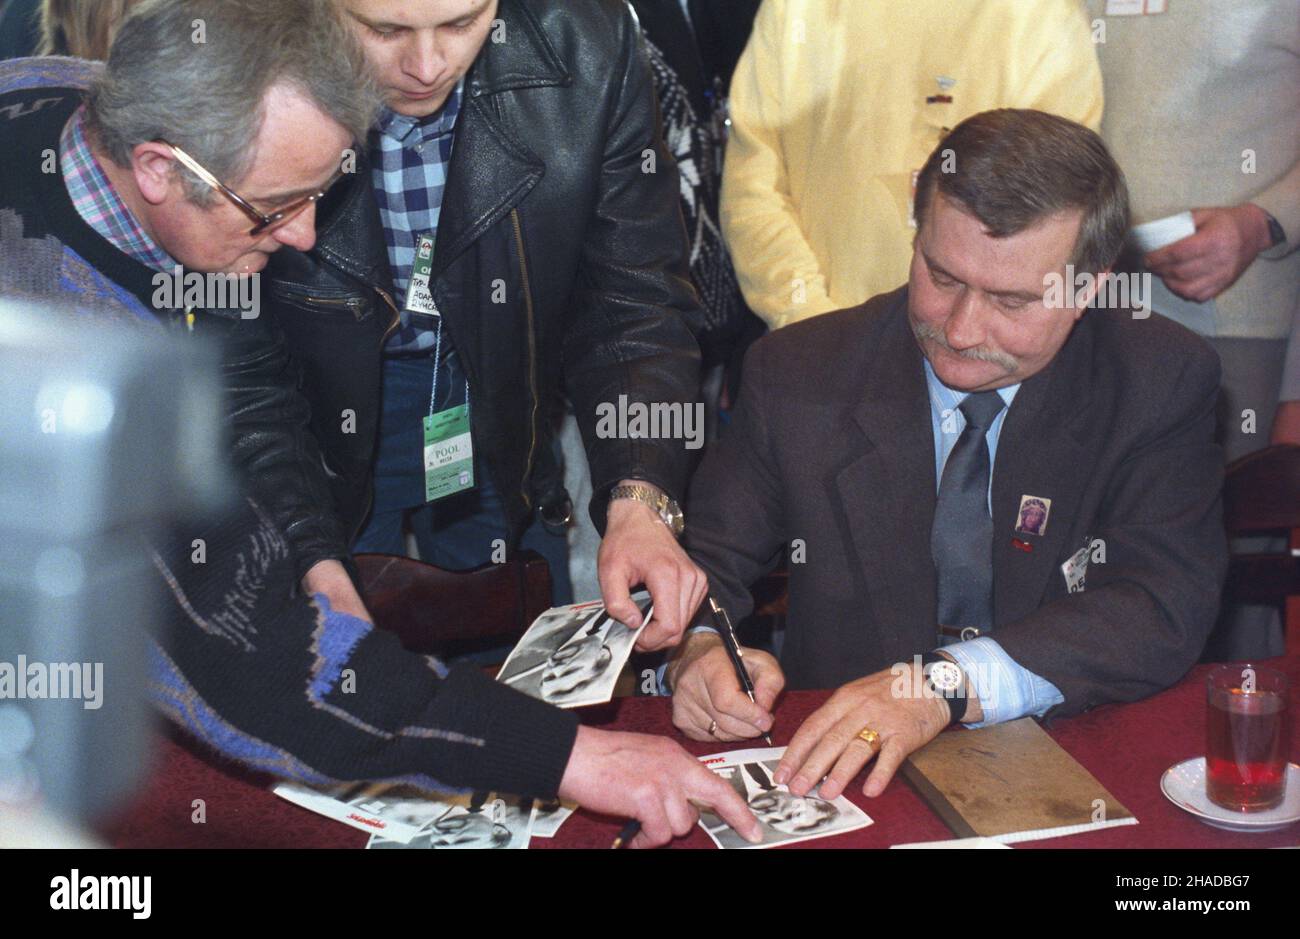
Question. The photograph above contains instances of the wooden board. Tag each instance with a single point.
(1008, 778)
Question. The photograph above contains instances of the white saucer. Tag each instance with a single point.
(1184, 785)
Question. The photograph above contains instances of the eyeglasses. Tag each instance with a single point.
(261, 223)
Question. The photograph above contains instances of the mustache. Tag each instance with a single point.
(925, 331)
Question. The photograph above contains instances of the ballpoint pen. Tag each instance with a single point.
(630, 829)
(626, 834)
(723, 624)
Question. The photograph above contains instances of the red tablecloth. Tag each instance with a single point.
(1127, 747)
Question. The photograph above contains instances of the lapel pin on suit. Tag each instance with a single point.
(1031, 519)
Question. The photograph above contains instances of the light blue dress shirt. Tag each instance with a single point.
(1006, 689)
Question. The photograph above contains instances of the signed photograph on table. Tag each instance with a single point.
(785, 817)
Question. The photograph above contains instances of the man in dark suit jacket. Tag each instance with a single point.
(975, 464)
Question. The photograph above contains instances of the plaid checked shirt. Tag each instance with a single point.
(410, 159)
(99, 205)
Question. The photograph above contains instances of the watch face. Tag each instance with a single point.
(673, 516)
(945, 676)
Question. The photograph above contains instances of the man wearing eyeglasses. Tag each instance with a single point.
(206, 143)
(168, 166)
(515, 230)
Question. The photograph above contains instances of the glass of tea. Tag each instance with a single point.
(1247, 739)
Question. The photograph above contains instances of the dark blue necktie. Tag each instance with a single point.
(961, 541)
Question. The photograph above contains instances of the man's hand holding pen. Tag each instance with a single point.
(706, 694)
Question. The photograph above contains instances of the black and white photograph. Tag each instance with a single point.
(397, 811)
(785, 817)
(481, 820)
(549, 816)
(571, 656)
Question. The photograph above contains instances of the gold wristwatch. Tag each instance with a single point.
(667, 509)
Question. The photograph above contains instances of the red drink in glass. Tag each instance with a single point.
(1247, 738)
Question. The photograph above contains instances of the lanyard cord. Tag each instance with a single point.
(437, 361)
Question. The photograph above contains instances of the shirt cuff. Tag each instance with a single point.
(1006, 689)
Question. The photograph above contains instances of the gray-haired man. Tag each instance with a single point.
(199, 150)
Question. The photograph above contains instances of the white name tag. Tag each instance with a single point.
(1135, 7)
(1076, 570)
(419, 298)
(447, 452)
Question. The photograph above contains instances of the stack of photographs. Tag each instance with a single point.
(400, 816)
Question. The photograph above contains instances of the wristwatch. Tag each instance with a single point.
(668, 509)
(946, 680)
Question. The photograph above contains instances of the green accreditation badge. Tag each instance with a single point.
(448, 453)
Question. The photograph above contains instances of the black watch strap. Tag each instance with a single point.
(1276, 233)
(957, 702)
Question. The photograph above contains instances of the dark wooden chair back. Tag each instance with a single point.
(440, 612)
(1261, 493)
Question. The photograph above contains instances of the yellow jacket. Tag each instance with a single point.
(831, 122)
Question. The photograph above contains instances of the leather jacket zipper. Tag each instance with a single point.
(355, 304)
(532, 354)
(392, 323)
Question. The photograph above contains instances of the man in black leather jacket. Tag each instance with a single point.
(558, 259)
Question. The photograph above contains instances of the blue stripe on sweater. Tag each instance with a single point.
(85, 289)
(47, 72)
(178, 700)
(338, 638)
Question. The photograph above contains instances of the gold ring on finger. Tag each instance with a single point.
(869, 736)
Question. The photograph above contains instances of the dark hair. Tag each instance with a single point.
(1010, 168)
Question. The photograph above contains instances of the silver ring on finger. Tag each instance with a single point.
(713, 728)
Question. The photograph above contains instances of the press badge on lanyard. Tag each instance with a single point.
(448, 445)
